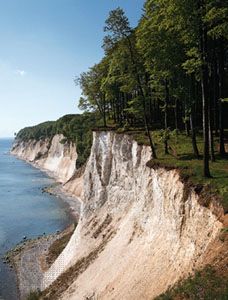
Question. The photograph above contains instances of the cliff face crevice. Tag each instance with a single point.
(157, 232)
(51, 155)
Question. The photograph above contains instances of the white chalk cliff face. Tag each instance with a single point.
(50, 155)
(139, 230)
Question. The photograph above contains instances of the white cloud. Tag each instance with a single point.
(20, 72)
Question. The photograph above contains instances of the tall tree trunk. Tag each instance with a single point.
(204, 87)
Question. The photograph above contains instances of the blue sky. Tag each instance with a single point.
(44, 45)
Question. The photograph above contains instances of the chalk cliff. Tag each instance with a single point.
(52, 155)
(140, 229)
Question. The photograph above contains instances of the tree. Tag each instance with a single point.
(185, 20)
(91, 85)
(119, 29)
(157, 46)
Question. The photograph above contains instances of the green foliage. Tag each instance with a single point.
(41, 131)
(157, 44)
(91, 85)
(117, 25)
(216, 18)
(75, 128)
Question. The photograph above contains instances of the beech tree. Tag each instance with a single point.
(91, 85)
(117, 25)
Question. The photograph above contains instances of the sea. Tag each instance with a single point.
(24, 211)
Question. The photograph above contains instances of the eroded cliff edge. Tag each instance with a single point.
(139, 231)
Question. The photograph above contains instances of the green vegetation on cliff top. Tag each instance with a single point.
(78, 129)
(75, 128)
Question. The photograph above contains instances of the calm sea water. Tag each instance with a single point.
(24, 210)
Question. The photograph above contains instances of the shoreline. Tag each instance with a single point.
(56, 189)
(74, 203)
(29, 257)
(29, 260)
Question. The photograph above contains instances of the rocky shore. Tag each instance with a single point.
(31, 258)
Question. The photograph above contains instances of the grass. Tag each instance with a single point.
(181, 156)
(204, 285)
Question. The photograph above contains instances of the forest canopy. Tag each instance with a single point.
(168, 73)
